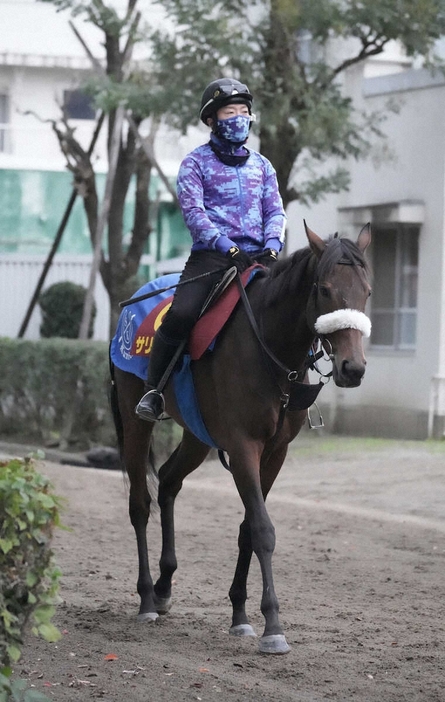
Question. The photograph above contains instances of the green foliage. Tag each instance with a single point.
(28, 577)
(55, 388)
(62, 309)
(99, 13)
(16, 691)
(291, 53)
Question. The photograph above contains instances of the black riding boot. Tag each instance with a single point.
(151, 405)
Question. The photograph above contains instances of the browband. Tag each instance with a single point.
(343, 319)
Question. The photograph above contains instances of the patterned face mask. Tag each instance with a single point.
(234, 129)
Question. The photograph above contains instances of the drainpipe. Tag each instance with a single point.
(436, 404)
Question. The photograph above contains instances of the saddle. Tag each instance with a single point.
(216, 311)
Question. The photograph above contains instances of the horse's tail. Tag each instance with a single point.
(152, 474)
(115, 413)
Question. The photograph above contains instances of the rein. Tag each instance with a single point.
(292, 375)
(153, 293)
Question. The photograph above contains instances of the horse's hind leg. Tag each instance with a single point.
(186, 458)
(135, 442)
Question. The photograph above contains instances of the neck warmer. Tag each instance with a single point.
(224, 150)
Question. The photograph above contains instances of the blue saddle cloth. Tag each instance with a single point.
(122, 354)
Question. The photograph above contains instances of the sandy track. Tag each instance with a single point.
(359, 571)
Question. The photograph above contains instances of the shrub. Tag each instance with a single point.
(62, 307)
(57, 390)
(28, 577)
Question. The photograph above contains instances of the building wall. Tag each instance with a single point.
(401, 389)
(35, 185)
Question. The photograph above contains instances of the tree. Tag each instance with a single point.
(285, 51)
(120, 83)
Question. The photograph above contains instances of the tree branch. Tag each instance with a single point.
(148, 149)
(365, 53)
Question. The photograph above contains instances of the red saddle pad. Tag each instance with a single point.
(204, 331)
(210, 324)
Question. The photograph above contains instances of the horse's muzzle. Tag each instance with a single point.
(349, 373)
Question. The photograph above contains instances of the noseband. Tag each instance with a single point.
(343, 319)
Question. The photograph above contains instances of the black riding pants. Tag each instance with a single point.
(190, 298)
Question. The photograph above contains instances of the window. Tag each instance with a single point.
(394, 298)
(78, 105)
(4, 122)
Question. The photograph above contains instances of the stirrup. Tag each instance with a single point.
(151, 406)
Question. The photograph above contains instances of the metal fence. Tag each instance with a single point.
(19, 275)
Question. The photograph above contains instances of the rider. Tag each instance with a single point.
(230, 202)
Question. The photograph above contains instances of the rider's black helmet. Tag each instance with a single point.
(223, 91)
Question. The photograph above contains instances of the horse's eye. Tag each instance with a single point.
(370, 293)
(324, 291)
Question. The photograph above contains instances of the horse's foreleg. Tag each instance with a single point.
(246, 473)
(238, 590)
(183, 461)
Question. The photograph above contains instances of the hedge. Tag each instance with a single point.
(56, 390)
(29, 578)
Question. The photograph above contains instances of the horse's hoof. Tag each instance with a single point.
(162, 604)
(275, 644)
(242, 630)
(147, 616)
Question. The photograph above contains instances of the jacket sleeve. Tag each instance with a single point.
(191, 201)
(274, 216)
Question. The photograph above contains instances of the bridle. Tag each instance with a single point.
(324, 324)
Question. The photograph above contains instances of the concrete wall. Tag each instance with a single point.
(401, 388)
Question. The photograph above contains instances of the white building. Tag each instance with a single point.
(42, 64)
(403, 196)
(403, 393)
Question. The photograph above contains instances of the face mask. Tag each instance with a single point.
(234, 129)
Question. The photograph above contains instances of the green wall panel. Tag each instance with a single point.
(32, 204)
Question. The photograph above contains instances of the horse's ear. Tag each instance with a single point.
(317, 245)
(364, 238)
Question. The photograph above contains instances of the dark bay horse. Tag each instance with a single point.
(319, 291)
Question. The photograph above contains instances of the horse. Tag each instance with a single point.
(243, 386)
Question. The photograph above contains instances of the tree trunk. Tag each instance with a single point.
(278, 136)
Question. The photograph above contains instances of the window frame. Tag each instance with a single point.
(89, 105)
(5, 123)
(398, 311)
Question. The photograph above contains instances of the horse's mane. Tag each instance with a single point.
(296, 273)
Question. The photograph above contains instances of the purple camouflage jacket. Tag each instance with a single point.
(226, 205)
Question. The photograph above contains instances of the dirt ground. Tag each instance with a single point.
(359, 571)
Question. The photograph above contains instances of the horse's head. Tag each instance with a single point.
(336, 306)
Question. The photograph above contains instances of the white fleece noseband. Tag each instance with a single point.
(343, 319)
